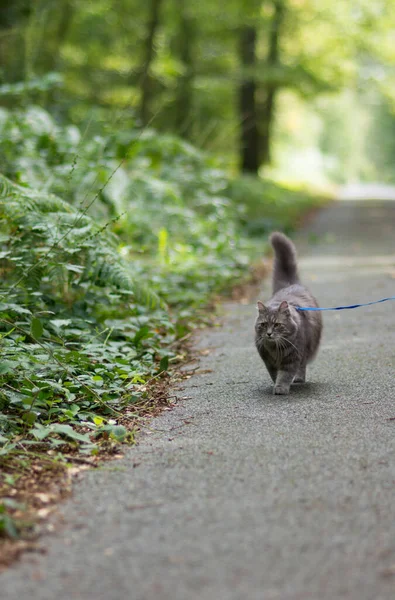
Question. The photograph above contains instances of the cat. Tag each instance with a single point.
(287, 339)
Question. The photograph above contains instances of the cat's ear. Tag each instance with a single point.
(260, 306)
(283, 308)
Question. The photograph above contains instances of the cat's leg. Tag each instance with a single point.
(271, 369)
(272, 372)
(300, 376)
(284, 380)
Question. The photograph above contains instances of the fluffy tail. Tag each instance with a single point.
(285, 270)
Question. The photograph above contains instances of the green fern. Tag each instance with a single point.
(50, 232)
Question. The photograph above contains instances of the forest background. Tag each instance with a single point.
(309, 83)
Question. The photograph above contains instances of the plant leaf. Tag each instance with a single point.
(68, 431)
(164, 364)
(36, 328)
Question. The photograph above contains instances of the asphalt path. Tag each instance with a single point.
(237, 494)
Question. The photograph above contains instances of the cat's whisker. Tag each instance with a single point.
(287, 341)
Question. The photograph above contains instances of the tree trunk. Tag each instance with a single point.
(11, 13)
(145, 81)
(249, 135)
(271, 89)
(183, 101)
(266, 125)
(66, 11)
(13, 17)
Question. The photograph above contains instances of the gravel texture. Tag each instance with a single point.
(237, 494)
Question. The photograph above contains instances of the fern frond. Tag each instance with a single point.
(11, 195)
(46, 222)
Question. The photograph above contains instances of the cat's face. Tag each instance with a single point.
(272, 325)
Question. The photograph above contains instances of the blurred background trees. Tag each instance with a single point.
(298, 89)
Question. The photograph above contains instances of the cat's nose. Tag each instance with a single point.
(269, 334)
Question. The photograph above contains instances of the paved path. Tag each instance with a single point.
(240, 495)
(367, 191)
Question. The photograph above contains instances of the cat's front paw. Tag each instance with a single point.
(281, 389)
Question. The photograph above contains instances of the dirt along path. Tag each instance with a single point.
(240, 495)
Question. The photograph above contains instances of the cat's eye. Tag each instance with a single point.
(277, 325)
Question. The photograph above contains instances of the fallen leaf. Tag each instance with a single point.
(44, 498)
(43, 512)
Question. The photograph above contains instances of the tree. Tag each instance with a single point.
(272, 62)
(12, 12)
(184, 92)
(249, 137)
(209, 72)
(149, 51)
(13, 16)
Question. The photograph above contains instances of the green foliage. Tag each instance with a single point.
(71, 315)
(87, 61)
(57, 249)
(81, 333)
(269, 206)
(36, 85)
(170, 196)
(9, 526)
(99, 52)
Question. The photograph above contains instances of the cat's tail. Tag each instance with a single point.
(285, 271)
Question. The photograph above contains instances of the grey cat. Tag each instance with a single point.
(287, 339)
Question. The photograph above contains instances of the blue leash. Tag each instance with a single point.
(301, 308)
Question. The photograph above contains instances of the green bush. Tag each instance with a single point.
(81, 332)
(109, 247)
(269, 206)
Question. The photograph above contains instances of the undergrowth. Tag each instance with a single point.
(110, 246)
